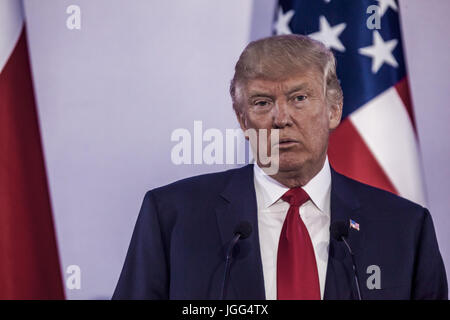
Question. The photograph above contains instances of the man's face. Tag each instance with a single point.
(297, 106)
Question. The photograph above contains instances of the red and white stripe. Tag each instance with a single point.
(377, 144)
(29, 263)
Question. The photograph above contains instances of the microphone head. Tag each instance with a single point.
(244, 228)
(339, 229)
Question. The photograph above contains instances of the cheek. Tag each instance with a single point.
(254, 122)
(316, 127)
(259, 121)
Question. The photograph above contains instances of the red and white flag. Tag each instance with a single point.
(29, 263)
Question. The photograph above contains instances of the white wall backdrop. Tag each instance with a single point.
(110, 95)
(426, 27)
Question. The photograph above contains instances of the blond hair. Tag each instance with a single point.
(276, 57)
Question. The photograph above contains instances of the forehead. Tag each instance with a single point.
(310, 80)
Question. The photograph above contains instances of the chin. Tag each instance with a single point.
(289, 166)
(290, 162)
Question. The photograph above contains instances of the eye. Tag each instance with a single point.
(261, 103)
(300, 98)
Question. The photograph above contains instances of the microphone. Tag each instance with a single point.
(242, 231)
(339, 232)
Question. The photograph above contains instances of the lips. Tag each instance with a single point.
(286, 142)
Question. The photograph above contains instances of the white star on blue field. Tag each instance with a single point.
(368, 61)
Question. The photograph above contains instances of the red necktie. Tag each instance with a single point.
(297, 277)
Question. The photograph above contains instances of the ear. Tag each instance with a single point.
(334, 114)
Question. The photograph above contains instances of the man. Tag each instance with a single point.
(289, 84)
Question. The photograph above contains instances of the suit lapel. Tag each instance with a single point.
(238, 203)
(339, 282)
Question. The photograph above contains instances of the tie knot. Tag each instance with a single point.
(295, 196)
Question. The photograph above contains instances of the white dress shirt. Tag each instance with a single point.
(272, 211)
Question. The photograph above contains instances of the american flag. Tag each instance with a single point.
(376, 142)
(354, 224)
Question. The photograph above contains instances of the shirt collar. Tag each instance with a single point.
(318, 188)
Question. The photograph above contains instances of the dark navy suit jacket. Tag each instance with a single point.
(177, 250)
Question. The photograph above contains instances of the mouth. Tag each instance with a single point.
(286, 143)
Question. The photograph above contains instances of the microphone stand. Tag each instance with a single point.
(355, 273)
(229, 258)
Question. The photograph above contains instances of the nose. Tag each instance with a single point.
(281, 116)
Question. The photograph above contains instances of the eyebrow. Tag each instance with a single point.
(302, 86)
(260, 94)
(257, 94)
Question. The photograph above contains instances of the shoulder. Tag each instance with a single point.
(380, 203)
(202, 186)
(191, 198)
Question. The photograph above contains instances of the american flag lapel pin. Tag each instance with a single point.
(354, 225)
